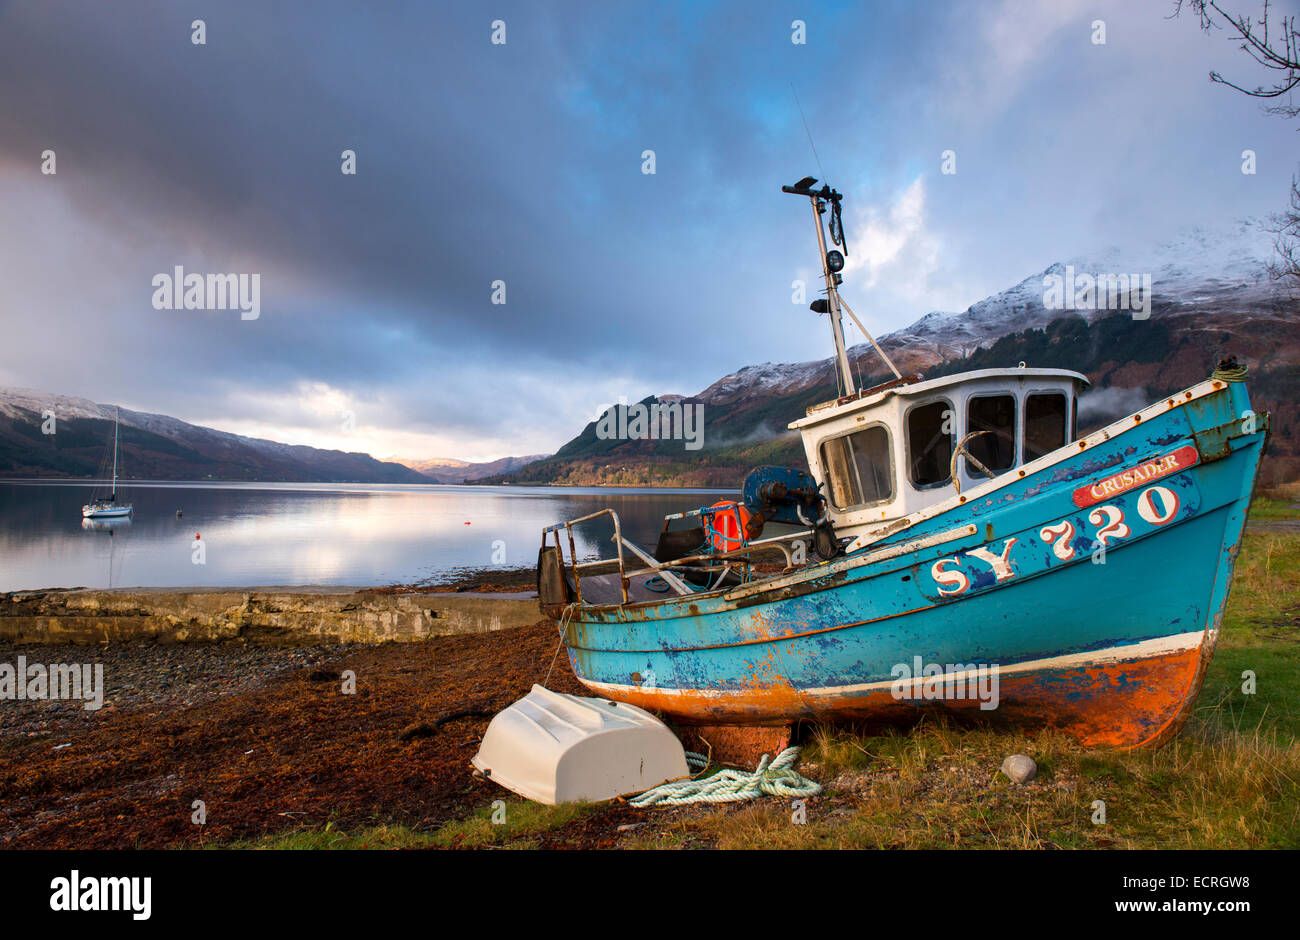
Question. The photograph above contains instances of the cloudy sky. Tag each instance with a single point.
(522, 162)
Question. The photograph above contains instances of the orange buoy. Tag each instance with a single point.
(727, 525)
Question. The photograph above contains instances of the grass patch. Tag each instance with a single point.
(328, 837)
(1261, 636)
(940, 788)
(1265, 586)
(519, 820)
(1273, 508)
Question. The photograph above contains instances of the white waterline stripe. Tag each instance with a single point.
(1146, 649)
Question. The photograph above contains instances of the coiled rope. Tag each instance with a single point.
(772, 778)
(1230, 371)
(1233, 374)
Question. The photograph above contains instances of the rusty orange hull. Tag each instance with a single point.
(1113, 704)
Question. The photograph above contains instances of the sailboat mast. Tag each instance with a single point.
(114, 497)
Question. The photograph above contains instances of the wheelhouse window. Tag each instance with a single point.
(995, 414)
(1045, 416)
(930, 443)
(858, 468)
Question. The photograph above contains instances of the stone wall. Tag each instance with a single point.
(274, 616)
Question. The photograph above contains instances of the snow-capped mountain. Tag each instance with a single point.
(1218, 275)
(1210, 293)
(1206, 273)
(764, 380)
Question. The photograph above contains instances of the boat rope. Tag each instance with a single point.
(771, 778)
(565, 616)
(1229, 371)
(696, 759)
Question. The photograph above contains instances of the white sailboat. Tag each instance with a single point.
(108, 508)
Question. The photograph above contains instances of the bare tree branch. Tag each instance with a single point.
(1285, 227)
(1276, 47)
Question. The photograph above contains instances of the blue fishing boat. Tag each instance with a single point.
(953, 544)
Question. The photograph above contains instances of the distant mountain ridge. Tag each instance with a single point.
(1211, 296)
(159, 447)
(452, 470)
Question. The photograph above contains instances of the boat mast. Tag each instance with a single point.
(114, 496)
(832, 263)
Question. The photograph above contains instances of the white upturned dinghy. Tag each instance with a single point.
(556, 748)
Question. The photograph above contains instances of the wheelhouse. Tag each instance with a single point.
(898, 448)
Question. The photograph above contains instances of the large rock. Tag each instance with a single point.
(1020, 768)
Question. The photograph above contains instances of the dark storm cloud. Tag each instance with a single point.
(476, 162)
(235, 146)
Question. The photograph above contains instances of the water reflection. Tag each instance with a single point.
(105, 525)
(281, 534)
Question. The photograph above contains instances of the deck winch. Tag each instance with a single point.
(783, 495)
(791, 497)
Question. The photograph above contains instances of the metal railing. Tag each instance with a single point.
(663, 568)
(574, 564)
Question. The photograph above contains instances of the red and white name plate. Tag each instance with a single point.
(1142, 474)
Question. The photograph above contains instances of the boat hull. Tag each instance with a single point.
(1085, 595)
(113, 512)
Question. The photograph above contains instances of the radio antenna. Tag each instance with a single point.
(803, 118)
